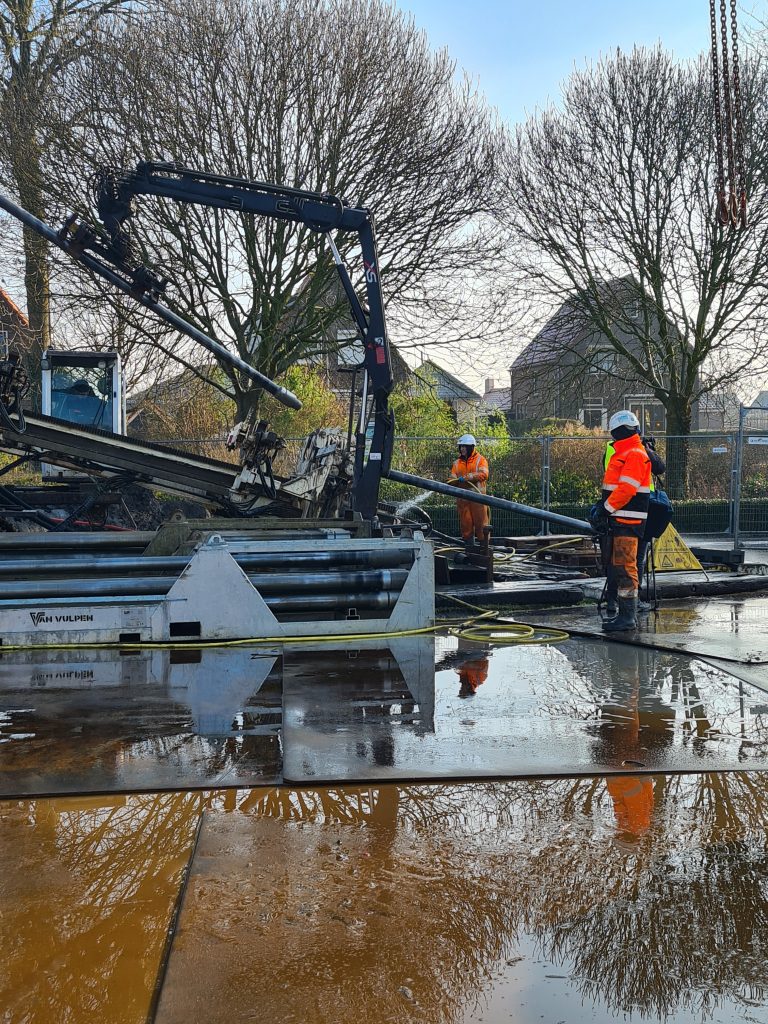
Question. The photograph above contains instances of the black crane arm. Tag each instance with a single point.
(116, 194)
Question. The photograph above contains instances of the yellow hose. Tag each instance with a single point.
(502, 632)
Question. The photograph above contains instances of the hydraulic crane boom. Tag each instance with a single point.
(116, 194)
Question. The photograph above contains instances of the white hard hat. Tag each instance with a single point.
(624, 418)
(467, 439)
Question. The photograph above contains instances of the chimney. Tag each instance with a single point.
(489, 384)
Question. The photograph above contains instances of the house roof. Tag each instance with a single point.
(761, 402)
(449, 387)
(8, 302)
(561, 330)
(498, 398)
(566, 328)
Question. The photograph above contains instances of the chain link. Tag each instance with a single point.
(722, 206)
(738, 215)
(729, 136)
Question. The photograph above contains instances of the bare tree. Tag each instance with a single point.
(39, 40)
(336, 97)
(610, 206)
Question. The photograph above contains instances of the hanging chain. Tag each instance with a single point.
(739, 210)
(728, 110)
(731, 199)
(722, 205)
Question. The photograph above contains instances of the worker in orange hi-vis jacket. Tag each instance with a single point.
(470, 470)
(624, 504)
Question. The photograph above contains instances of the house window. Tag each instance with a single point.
(518, 411)
(350, 351)
(602, 362)
(633, 310)
(652, 415)
(593, 414)
(4, 344)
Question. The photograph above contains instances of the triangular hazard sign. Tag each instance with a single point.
(672, 554)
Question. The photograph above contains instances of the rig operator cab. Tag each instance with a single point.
(85, 388)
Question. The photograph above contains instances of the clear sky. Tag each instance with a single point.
(519, 52)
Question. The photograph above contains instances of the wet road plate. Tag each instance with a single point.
(727, 628)
(578, 707)
(111, 721)
(581, 901)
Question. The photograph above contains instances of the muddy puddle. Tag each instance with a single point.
(558, 900)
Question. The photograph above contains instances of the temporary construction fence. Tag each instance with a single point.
(718, 482)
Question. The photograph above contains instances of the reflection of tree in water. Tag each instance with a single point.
(676, 921)
(88, 890)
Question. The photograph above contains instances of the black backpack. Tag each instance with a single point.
(660, 512)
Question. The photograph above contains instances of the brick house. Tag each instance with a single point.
(570, 371)
(14, 326)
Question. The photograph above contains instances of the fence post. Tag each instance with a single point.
(545, 491)
(738, 460)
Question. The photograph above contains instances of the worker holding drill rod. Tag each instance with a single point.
(622, 512)
(470, 471)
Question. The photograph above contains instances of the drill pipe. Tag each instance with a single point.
(319, 584)
(489, 500)
(11, 543)
(145, 565)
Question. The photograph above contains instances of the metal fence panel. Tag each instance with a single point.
(718, 483)
(752, 494)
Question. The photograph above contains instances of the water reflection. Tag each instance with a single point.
(87, 891)
(491, 902)
(85, 721)
(109, 721)
(578, 707)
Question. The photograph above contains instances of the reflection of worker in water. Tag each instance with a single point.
(472, 673)
(633, 723)
(470, 471)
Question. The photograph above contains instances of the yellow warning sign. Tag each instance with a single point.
(671, 553)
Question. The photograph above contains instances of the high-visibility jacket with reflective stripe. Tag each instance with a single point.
(474, 469)
(609, 450)
(627, 481)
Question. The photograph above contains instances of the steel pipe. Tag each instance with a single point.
(117, 565)
(382, 601)
(265, 583)
(488, 499)
(76, 541)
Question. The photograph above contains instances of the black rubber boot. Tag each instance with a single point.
(626, 619)
(611, 608)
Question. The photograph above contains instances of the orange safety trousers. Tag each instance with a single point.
(622, 569)
(632, 797)
(472, 517)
